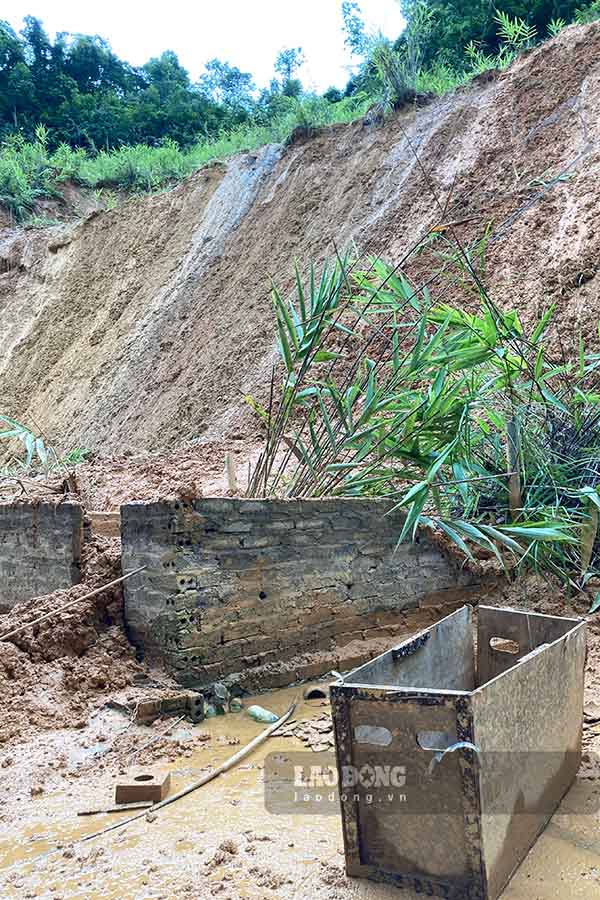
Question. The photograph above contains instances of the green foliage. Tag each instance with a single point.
(515, 33)
(457, 23)
(288, 62)
(34, 448)
(76, 457)
(354, 27)
(29, 171)
(72, 111)
(588, 13)
(460, 418)
(87, 97)
(555, 26)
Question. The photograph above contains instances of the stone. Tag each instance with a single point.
(40, 549)
(272, 580)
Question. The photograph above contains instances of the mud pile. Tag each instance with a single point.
(52, 674)
(139, 328)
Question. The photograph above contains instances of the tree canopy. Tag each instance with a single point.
(86, 96)
(457, 22)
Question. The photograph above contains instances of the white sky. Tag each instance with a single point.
(245, 33)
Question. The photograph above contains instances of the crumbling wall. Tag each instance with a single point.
(40, 549)
(233, 586)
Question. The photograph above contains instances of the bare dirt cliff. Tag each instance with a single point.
(138, 328)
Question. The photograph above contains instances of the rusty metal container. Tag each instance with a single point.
(487, 732)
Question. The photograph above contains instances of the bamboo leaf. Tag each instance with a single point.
(541, 326)
(596, 604)
(284, 347)
(589, 532)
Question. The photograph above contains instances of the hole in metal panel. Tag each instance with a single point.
(373, 734)
(505, 645)
(434, 740)
(144, 778)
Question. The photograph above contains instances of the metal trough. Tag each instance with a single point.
(488, 739)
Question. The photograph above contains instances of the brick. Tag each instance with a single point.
(105, 524)
(239, 630)
(343, 624)
(274, 580)
(346, 638)
(314, 669)
(316, 616)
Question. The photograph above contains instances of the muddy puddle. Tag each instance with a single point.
(221, 841)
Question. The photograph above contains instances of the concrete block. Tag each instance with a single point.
(142, 784)
(40, 549)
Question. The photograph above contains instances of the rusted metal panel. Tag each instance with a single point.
(470, 809)
(439, 657)
(528, 722)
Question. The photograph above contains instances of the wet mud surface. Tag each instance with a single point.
(221, 841)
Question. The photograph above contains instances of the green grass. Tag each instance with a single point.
(30, 172)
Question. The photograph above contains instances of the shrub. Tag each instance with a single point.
(460, 418)
(589, 13)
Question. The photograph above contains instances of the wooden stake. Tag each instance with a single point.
(231, 475)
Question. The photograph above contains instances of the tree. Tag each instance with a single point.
(228, 85)
(356, 38)
(288, 62)
(333, 95)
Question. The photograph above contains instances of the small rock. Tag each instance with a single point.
(229, 846)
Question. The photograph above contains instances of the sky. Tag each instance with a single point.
(245, 33)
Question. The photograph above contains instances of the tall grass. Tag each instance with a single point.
(29, 171)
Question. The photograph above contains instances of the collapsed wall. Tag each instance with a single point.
(273, 591)
(40, 549)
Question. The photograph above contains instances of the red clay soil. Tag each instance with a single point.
(105, 483)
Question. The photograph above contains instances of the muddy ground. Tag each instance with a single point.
(219, 841)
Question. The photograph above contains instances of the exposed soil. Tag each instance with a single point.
(144, 326)
(106, 483)
(221, 841)
(137, 332)
(54, 674)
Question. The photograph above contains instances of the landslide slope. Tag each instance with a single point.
(140, 327)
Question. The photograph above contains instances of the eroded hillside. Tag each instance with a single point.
(141, 327)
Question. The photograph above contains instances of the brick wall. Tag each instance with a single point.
(233, 586)
(40, 549)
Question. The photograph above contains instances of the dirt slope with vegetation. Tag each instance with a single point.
(142, 327)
